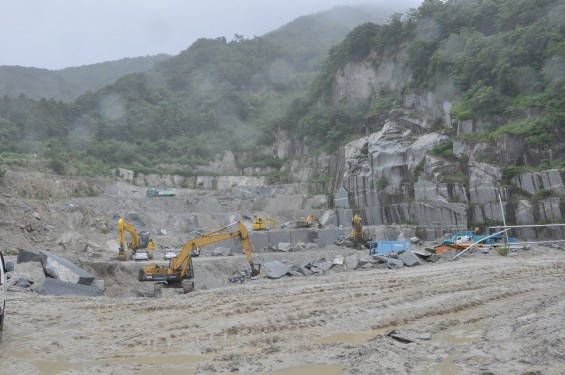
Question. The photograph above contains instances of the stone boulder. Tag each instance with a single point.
(62, 269)
(276, 269)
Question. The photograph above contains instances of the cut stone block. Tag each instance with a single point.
(62, 269)
(54, 287)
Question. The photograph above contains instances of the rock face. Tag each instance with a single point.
(548, 180)
(393, 177)
(408, 168)
(384, 185)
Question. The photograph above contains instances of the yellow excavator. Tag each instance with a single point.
(358, 236)
(180, 271)
(308, 221)
(261, 224)
(139, 241)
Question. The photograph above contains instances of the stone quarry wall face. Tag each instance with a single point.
(384, 185)
(433, 202)
(396, 182)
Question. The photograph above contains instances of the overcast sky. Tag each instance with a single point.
(56, 34)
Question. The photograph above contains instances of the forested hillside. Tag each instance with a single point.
(500, 62)
(216, 95)
(69, 83)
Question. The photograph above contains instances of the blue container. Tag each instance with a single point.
(386, 247)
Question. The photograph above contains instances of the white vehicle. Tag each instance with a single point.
(171, 253)
(4, 268)
(141, 255)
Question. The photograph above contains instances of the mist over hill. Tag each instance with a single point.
(69, 83)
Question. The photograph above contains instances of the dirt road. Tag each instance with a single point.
(482, 314)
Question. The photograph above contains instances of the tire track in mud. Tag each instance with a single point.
(329, 305)
(271, 317)
(325, 297)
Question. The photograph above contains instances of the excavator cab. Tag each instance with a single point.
(145, 242)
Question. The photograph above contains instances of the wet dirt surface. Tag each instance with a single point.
(483, 313)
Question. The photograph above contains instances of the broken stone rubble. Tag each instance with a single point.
(278, 269)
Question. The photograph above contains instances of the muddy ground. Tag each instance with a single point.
(481, 314)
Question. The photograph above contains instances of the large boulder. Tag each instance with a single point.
(276, 269)
(25, 256)
(64, 270)
(409, 258)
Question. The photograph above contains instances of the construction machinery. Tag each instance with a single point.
(139, 241)
(308, 221)
(262, 224)
(179, 272)
(155, 192)
(358, 235)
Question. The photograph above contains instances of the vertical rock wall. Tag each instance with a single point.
(396, 182)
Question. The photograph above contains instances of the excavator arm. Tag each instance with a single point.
(180, 267)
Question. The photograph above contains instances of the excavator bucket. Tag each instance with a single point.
(255, 269)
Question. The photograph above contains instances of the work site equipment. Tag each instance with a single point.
(180, 270)
(308, 222)
(261, 224)
(464, 239)
(358, 235)
(139, 241)
(387, 247)
(154, 192)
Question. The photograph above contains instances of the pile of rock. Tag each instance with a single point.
(277, 269)
(340, 263)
